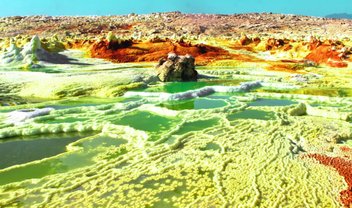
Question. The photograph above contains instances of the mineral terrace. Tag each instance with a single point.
(93, 112)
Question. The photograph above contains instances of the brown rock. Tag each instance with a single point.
(256, 40)
(244, 40)
(273, 43)
(176, 68)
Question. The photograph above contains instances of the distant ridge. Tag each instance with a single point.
(340, 16)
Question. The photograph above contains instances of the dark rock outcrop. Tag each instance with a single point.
(177, 68)
(244, 40)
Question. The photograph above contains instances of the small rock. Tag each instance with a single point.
(177, 68)
(298, 110)
(244, 40)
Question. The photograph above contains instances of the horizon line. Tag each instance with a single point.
(166, 12)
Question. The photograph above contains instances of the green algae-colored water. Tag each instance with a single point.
(60, 164)
(252, 114)
(63, 120)
(145, 121)
(272, 102)
(26, 149)
(208, 103)
(198, 103)
(45, 168)
(197, 125)
(175, 87)
(223, 149)
(101, 141)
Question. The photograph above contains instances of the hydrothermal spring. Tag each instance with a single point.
(195, 144)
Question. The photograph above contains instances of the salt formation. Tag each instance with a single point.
(205, 91)
(176, 68)
(28, 55)
(17, 117)
(199, 158)
(12, 55)
(32, 55)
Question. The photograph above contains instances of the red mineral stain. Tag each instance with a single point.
(344, 168)
(328, 52)
(273, 43)
(345, 149)
(152, 51)
(346, 152)
(286, 66)
(78, 44)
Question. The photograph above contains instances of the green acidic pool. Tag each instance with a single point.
(196, 104)
(155, 125)
(252, 114)
(62, 120)
(47, 167)
(176, 87)
(272, 102)
(91, 149)
(26, 149)
(145, 121)
(101, 141)
(197, 125)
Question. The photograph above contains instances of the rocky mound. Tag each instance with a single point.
(177, 68)
(332, 53)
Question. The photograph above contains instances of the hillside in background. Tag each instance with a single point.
(340, 16)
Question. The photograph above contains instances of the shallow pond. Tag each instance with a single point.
(196, 104)
(197, 125)
(272, 102)
(21, 150)
(83, 157)
(175, 87)
(252, 114)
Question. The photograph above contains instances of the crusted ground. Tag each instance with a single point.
(282, 139)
